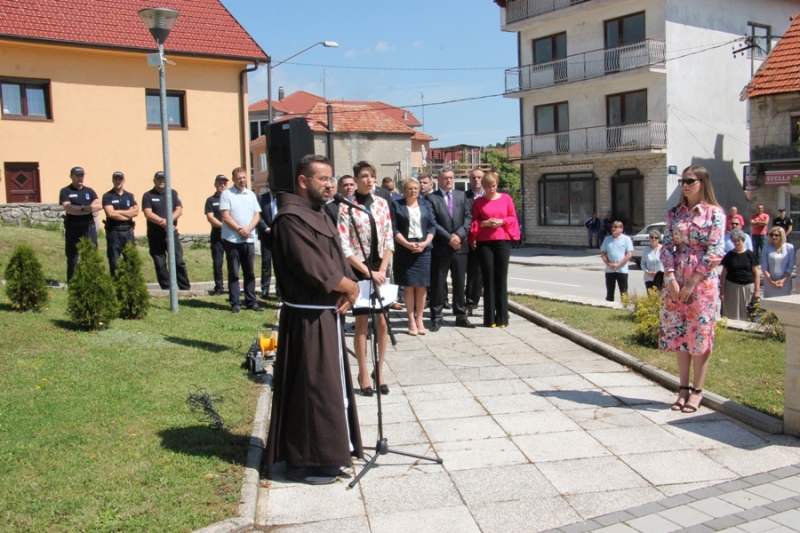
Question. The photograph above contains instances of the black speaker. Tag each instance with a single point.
(287, 143)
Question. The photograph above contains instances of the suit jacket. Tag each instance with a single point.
(401, 219)
(446, 225)
(380, 192)
(265, 201)
(332, 209)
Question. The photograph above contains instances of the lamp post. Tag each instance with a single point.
(159, 22)
(270, 66)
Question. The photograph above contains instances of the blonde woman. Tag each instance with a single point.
(777, 264)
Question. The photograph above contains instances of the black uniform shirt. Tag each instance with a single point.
(785, 222)
(212, 206)
(120, 202)
(157, 201)
(83, 197)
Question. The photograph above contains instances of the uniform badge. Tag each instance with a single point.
(87, 195)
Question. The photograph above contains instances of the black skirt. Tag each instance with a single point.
(410, 269)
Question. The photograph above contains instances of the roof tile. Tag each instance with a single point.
(780, 73)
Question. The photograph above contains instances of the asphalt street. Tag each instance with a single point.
(585, 282)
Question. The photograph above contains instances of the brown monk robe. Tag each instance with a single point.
(311, 423)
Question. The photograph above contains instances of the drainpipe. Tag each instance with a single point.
(522, 133)
(330, 136)
(243, 116)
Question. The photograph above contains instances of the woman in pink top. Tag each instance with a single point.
(494, 226)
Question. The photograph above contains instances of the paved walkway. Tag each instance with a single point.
(537, 434)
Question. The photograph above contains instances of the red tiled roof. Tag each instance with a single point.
(352, 118)
(263, 105)
(780, 73)
(400, 115)
(204, 27)
(258, 141)
(299, 102)
(422, 136)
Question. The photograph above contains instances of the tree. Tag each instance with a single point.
(26, 287)
(91, 299)
(131, 289)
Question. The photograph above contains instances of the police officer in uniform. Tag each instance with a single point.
(154, 205)
(215, 219)
(80, 203)
(121, 208)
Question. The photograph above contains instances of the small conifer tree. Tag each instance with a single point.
(91, 299)
(132, 295)
(26, 287)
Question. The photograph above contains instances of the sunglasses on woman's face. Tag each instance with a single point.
(688, 181)
(774, 234)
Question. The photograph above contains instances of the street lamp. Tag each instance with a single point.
(270, 66)
(159, 22)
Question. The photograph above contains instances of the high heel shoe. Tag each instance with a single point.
(421, 330)
(677, 406)
(691, 408)
(367, 391)
(413, 331)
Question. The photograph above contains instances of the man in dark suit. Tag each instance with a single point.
(474, 278)
(453, 213)
(269, 209)
(346, 186)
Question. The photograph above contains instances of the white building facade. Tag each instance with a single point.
(617, 97)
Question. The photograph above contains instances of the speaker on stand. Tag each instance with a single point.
(287, 143)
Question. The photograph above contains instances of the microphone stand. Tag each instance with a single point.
(382, 445)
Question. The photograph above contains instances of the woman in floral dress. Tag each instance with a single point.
(692, 249)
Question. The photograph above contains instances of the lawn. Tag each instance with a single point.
(95, 431)
(744, 367)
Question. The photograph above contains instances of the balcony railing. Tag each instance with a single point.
(587, 65)
(517, 10)
(600, 139)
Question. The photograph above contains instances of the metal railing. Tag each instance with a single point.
(643, 136)
(594, 64)
(517, 10)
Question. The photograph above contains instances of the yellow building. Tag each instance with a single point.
(77, 91)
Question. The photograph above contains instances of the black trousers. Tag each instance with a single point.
(241, 254)
(617, 278)
(456, 264)
(115, 242)
(217, 256)
(158, 251)
(474, 279)
(72, 235)
(494, 256)
(266, 266)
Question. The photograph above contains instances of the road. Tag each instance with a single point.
(586, 282)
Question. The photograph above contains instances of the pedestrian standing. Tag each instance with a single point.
(80, 203)
(474, 277)
(616, 251)
(652, 267)
(121, 208)
(215, 238)
(592, 225)
(269, 210)
(154, 206)
(783, 221)
(759, 223)
(240, 216)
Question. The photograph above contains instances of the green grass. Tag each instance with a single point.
(744, 367)
(49, 246)
(95, 431)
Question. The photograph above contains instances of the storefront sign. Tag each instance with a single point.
(750, 177)
(781, 177)
(568, 168)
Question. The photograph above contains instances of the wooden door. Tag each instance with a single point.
(22, 183)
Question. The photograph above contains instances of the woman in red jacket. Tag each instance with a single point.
(494, 226)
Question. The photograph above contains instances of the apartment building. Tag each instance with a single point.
(616, 97)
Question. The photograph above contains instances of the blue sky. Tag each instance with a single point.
(433, 34)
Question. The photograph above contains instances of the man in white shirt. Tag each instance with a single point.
(241, 214)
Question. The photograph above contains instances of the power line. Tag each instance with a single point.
(401, 69)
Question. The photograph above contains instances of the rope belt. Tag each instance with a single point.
(341, 357)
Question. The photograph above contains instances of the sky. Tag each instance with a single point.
(384, 39)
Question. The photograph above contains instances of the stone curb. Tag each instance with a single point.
(532, 261)
(719, 403)
(252, 477)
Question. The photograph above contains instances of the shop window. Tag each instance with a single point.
(566, 199)
(176, 108)
(25, 98)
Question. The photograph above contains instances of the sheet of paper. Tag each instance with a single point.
(387, 291)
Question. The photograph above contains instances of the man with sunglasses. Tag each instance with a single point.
(729, 245)
(759, 223)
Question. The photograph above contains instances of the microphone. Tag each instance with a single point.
(339, 199)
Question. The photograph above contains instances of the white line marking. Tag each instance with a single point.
(548, 282)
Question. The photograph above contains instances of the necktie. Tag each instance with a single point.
(450, 203)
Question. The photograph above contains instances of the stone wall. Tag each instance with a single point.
(770, 119)
(18, 214)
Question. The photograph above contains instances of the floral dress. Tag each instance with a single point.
(693, 242)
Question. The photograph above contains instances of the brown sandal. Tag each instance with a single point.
(678, 406)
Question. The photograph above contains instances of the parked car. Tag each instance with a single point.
(641, 241)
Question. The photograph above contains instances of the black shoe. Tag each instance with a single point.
(264, 294)
(367, 391)
(309, 476)
(255, 308)
(217, 292)
(384, 389)
(436, 326)
(447, 305)
(235, 309)
(464, 323)
(469, 311)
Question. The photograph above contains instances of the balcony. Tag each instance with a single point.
(517, 10)
(600, 139)
(585, 66)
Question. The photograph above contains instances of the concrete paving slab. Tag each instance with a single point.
(500, 484)
(579, 399)
(465, 455)
(436, 391)
(702, 435)
(579, 476)
(515, 403)
(389, 495)
(559, 446)
(790, 519)
(576, 354)
(470, 361)
(746, 462)
(458, 429)
(622, 378)
(617, 528)
(792, 484)
(653, 524)
(395, 465)
(451, 408)
(715, 507)
(458, 349)
(566, 382)
(423, 378)
(399, 433)
(685, 516)
(357, 524)
(673, 489)
(526, 357)
(531, 423)
(488, 373)
(393, 413)
(594, 504)
(445, 520)
(660, 413)
(597, 366)
(772, 492)
(681, 466)
(498, 387)
(744, 499)
(540, 370)
(642, 395)
(400, 365)
(607, 418)
(295, 503)
(502, 517)
(637, 439)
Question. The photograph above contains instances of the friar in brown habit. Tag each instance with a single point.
(314, 424)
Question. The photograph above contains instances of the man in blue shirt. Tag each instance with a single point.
(616, 251)
(748, 243)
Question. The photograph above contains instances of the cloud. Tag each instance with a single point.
(417, 44)
(351, 53)
(383, 46)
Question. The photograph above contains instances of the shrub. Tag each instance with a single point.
(646, 310)
(132, 295)
(198, 244)
(91, 300)
(26, 287)
(767, 321)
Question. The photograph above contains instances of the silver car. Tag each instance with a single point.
(641, 241)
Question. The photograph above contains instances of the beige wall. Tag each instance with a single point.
(99, 122)
(377, 148)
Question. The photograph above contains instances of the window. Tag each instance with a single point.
(176, 108)
(566, 199)
(794, 126)
(761, 36)
(262, 162)
(550, 48)
(551, 118)
(626, 108)
(625, 30)
(25, 98)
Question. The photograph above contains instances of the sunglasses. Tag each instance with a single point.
(687, 181)
(774, 234)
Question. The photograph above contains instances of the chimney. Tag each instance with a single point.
(280, 93)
